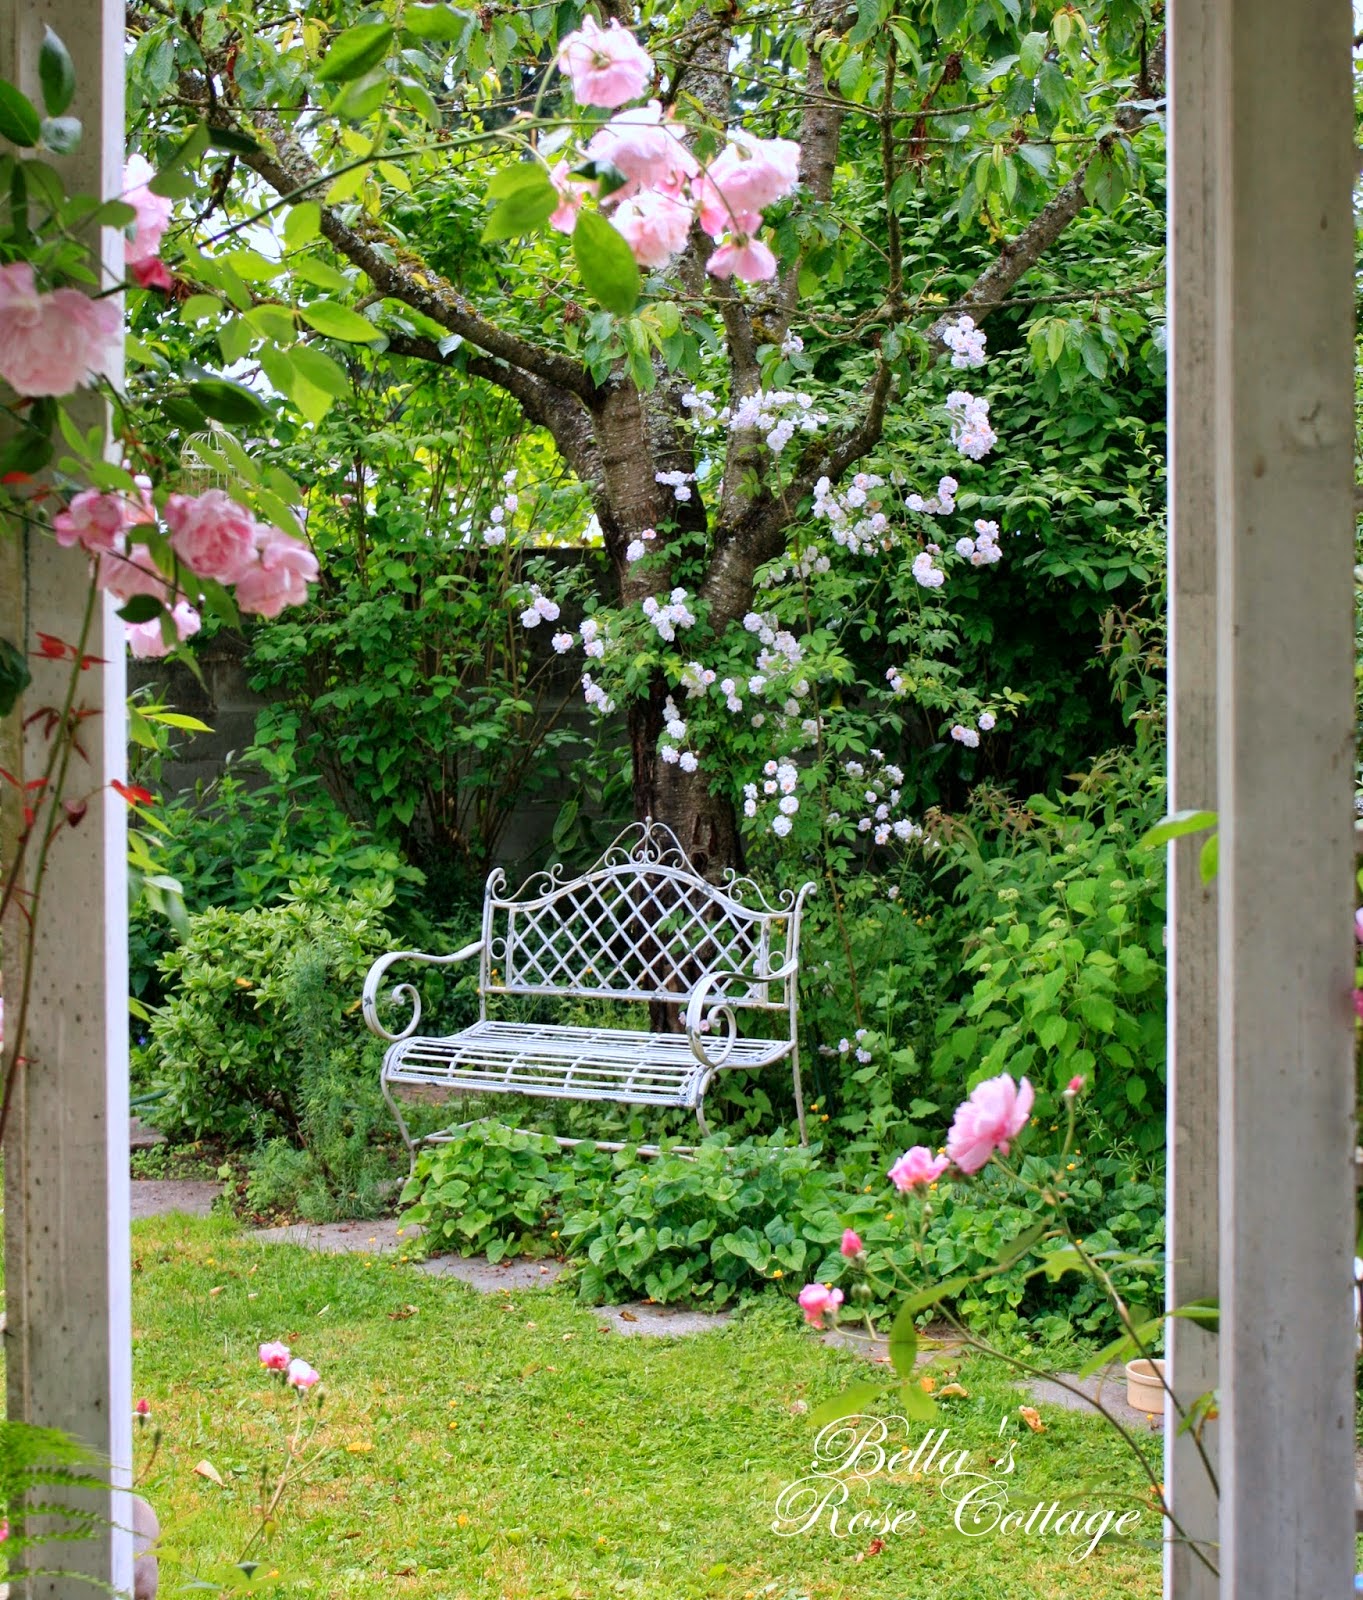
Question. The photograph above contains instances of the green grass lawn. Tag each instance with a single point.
(503, 1445)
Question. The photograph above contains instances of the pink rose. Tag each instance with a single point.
(94, 520)
(851, 1245)
(572, 191)
(302, 1376)
(1075, 1085)
(817, 1301)
(745, 178)
(147, 642)
(143, 1408)
(745, 258)
(213, 535)
(130, 572)
(153, 275)
(1358, 924)
(995, 1113)
(153, 213)
(50, 343)
(917, 1168)
(607, 66)
(654, 225)
(275, 1356)
(646, 149)
(281, 576)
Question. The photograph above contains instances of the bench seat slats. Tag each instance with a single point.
(567, 1063)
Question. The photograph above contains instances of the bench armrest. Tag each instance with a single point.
(707, 1003)
(404, 991)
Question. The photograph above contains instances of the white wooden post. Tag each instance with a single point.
(1283, 422)
(68, 1341)
(1197, 134)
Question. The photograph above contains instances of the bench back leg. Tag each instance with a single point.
(799, 1093)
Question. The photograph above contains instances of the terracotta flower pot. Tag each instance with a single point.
(1145, 1385)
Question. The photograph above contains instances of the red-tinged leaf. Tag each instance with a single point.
(75, 810)
(10, 778)
(16, 477)
(29, 818)
(132, 793)
(53, 648)
(36, 783)
(86, 662)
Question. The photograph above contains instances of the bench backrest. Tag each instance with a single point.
(642, 924)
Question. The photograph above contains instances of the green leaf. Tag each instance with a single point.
(233, 139)
(303, 224)
(610, 273)
(355, 52)
(336, 321)
(19, 120)
(523, 175)
(61, 135)
(1015, 1249)
(917, 1404)
(903, 1343)
(141, 608)
(1209, 861)
(56, 74)
(322, 372)
(1051, 1031)
(846, 1404)
(930, 1297)
(525, 210)
(227, 402)
(1175, 826)
(435, 22)
(14, 676)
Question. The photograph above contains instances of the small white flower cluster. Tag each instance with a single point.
(562, 642)
(800, 563)
(496, 533)
(856, 521)
(846, 1047)
(792, 345)
(983, 550)
(674, 731)
(970, 737)
(637, 548)
(702, 402)
(881, 796)
(970, 430)
(966, 343)
(941, 504)
(596, 696)
(776, 414)
(696, 679)
(666, 619)
(778, 783)
(540, 609)
(925, 569)
(592, 642)
(679, 483)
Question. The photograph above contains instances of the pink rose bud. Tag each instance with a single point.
(143, 1408)
(1075, 1085)
(301, 1375)
(274, 1356)
(4, 1529)
(852, 1245)
(817, 1300)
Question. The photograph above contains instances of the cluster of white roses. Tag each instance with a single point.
(779, 780)
(877, 794)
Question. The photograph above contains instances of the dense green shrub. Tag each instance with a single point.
(739, 1217)
(253, 994)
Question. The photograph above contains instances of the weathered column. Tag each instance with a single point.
(1284, 436)
(1197, 134)
(68, 1340)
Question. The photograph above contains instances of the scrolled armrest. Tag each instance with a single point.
(403, 991)
(707, 1003)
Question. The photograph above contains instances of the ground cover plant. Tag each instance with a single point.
(575, 1463)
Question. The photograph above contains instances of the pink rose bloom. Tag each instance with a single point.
(153, 274)
(572, 191)
(607, 66)
(817, 1301)
(153, 213)
(1358, 924)
(130, 572)
(301, 1375)
(917, 1168)
(995, 1113)
(851, 1245)
(143, 1408)
(213, 535)
(654, 225)
(50, 343)
(275, 1356)
(147, 642)
(643, 146)
(94, 520)
(745, 179)
(281, 577)
(745, 258)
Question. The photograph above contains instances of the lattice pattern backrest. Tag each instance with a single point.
(637, 930)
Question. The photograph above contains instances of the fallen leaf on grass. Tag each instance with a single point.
(1032, 1417)
(926, 1384)
(402, 1313)
(953, 1388)
(628, 1316)
(206, 1469)
(872, 1549)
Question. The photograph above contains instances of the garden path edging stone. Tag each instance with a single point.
(158, 1197)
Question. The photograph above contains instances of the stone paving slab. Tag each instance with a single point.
(479, 1273)
(158, 1197)
(141, 1137)
(643, 1321)
(1110, 1388)
(932, 1346)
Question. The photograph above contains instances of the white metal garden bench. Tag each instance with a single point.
(642, 925)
